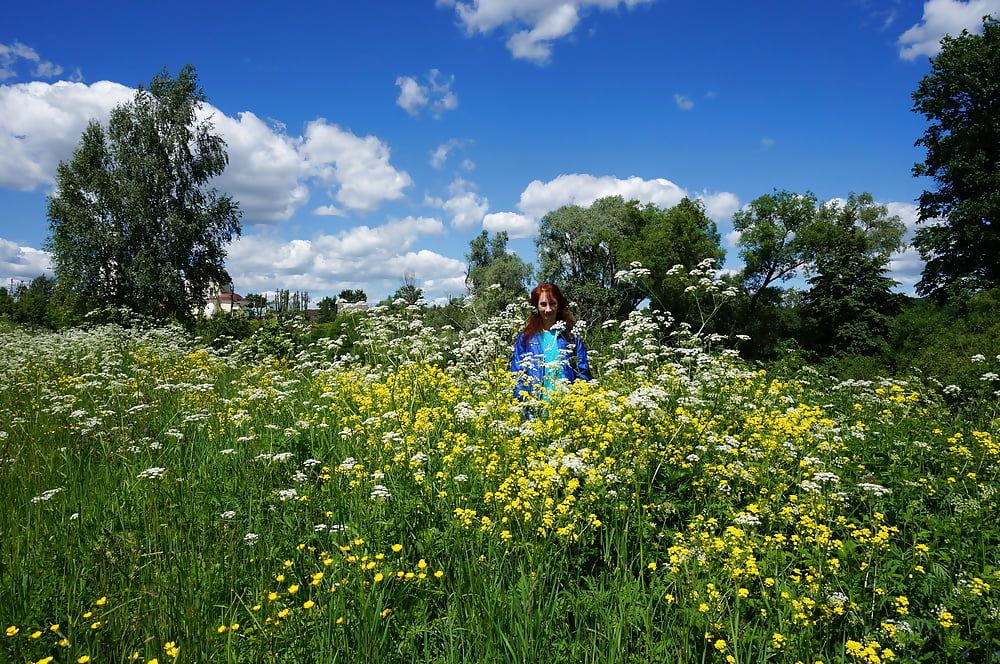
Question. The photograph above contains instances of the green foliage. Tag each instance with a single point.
(960, 98)
(327, 310)
(585, 251)
(495, 276)
(352, 295)
(133, 222)
(771, 228)
(255, 304)
(850, 303)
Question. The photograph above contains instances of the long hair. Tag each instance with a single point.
(535, 322)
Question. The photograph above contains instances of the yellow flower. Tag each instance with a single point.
(340, 620)
(385, 613)
(396, 548)
(45, 660)
(134, 656)
(171, 648)
(292, 589)
(102, 601)
(36, 634)
(651, 566)
(153, 661)
(422, 564)
(55, 628)
(83, 659)
(308, 604)
(234, 627)
(222, 629)
(283, 613)
(670, 598)
(378, 577)
(271, 596)
(280, 578)
(777, 641)
(12, 630)
(63, 642)
(438, 574)
(743, 592)
(720, 645)
(95, 624)
(88, 614)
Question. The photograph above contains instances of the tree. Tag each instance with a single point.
(680, 235)
(495, 276)
(352, 295)
(327, 310)
(771, 231)
(256, 304)
(960, 97)
(577, 249)
(133, 222)
(850, 302)
(585, 249)
(408, 292)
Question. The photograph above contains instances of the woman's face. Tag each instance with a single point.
(548, 308)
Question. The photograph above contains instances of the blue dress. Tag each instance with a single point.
(529, 361)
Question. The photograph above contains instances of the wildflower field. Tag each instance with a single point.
(384, 499)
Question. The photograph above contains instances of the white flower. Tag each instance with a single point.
(153, 473)
(287, 494)
(379, 491)
(227, 451)
(228, 514)
(877, 489)
(251, 538)
(978, 357)
(46, 495)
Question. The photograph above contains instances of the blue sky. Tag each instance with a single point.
(372, 140)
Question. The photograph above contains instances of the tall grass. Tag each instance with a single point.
(275, 501)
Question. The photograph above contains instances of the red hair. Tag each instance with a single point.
(535, 323)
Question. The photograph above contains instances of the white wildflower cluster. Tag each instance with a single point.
(831, 478)
(46, 495)
(251, 538)
(633, 274)
(746, 519)
(153, 473)
(227, 515)
(379, 491)
(309, 463)
(348, 464)
(875, 489)
(285, 495)
(836, 599)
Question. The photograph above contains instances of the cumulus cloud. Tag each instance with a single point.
(539, 198)
(683, 103)
(516, 225)
(41, 123)
(435, 94)
(358, 167)
(269, 171)
(721, 205)
(465, 207)
(11, 55)
(20, 263)
(371, 258)
(534, 25)
(944, 17)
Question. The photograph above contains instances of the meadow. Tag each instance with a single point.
(384, 498)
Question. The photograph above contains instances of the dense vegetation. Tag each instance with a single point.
(379, 495)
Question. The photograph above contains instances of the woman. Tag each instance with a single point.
(547, 350)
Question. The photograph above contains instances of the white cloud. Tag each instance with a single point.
(10, 55)
(412, 96)
(269, 171)
(536, 24)
(328, 211)
(516, 225)
(539, 198)
(266, 172)
(371, 258)
(766, 142)
(683, 102)
(440, 154)
(944, 17)
(41, 124)
(465, 207)
(359, 167)
(22, 263)
(906, 267)
(436, 93)
(720, 206)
